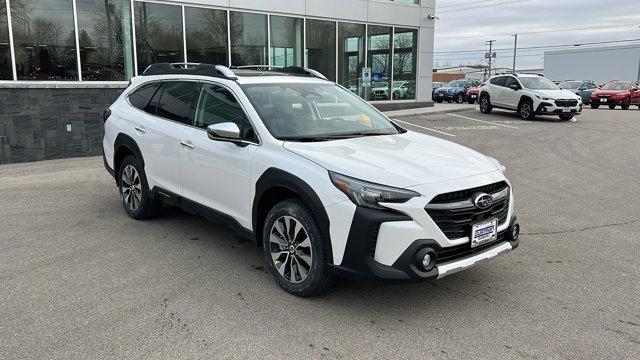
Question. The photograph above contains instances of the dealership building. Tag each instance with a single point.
(62, 62)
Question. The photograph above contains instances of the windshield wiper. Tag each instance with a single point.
(328, 137)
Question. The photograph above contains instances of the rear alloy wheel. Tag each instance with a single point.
(612, 107)
(627, 104)
(526, 110)
(485, 105)
(595, 105)
(460, 98)
(294, 249)
(134, 191)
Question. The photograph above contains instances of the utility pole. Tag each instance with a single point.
(490, 55)
(515, 51)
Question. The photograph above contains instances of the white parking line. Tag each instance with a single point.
(482, 121)
(422, 127)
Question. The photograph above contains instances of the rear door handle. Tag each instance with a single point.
(187, 144)
(140, 129)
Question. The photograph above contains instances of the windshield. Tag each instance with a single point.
(457, 83)
(538, 83)
(617, 85)
(570, 84)
(315, 112)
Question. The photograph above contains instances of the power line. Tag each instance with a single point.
(542, 31)
(539, 47)
(465, 3)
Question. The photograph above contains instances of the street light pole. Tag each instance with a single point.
(515, 51)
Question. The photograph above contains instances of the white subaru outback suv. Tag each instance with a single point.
(325, 183)
(529, 95)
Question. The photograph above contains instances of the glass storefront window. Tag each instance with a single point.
(44, 39)
(286, 41)
(6, 68)
(379, 60)
(206, 35)
(351, 39)
(321, 47)
(248, 39)
(405, 44)
(158, 34)
(104, 34)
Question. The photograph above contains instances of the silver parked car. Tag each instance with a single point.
(583, 88)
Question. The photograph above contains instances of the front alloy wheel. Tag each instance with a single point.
(291, 250)
(526, 110)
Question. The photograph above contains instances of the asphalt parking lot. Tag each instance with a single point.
(79, 279)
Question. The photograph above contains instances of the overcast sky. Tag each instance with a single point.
(466, 24)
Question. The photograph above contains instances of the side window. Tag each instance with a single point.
(218, 105)
(499, 81)
(140, 98)
(510, 81)
(177, 100)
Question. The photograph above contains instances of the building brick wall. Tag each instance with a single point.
(52, 123)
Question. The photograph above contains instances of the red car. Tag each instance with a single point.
(472, 94)
(617, 93)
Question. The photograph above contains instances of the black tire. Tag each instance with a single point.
(471, 101)
(526, 111)
(627, 104)
(638, 107)
(439, 101)
(485, 104)
(612, 107)
(318, 279)
(566, 117)
(595, 105)
(140, 207)
(460, 98)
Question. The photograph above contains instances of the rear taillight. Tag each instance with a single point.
(105, 115)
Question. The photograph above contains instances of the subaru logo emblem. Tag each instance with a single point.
(483, 201)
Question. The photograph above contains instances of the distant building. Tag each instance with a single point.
(600, 64)
(446, 74)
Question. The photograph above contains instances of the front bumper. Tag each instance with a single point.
(608, 101)
(359, 264)
(548, 108)
(444, 96)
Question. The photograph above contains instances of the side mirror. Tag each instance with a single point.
(514, 87)
(226, 131)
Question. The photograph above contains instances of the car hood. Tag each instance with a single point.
(447, 88)
(402, 160)
(609, 92)
(557, 94)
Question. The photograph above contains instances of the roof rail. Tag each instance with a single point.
(294, 70)
(218, 71)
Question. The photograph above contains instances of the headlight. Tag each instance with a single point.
(504, 169)
(500, 166)
(622, 94)
(543, 98)
(369, 195)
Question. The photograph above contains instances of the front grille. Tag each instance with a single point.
(466, 194)
(604, 96)
(455, 252)
(566, 103)
(456, 220)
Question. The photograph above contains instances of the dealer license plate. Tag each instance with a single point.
(603, 100)
(566, 109)
(473, 96)
(484, 232)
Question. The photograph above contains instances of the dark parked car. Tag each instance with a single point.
(455, 90)
(436, 85)
(583, 88)
(617, 93)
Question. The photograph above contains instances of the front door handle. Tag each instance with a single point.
(140, 129)
(187, 144)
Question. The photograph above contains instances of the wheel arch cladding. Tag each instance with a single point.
(524, 98)
(276, 185)
(124, 146)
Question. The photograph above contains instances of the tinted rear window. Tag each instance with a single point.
(500, 80)
(141, 97)
(177, 100)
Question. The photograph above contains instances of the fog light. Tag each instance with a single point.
(515, 231)
(426, 261)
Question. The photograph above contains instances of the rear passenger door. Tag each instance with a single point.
(217, 174)
(158, 130)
